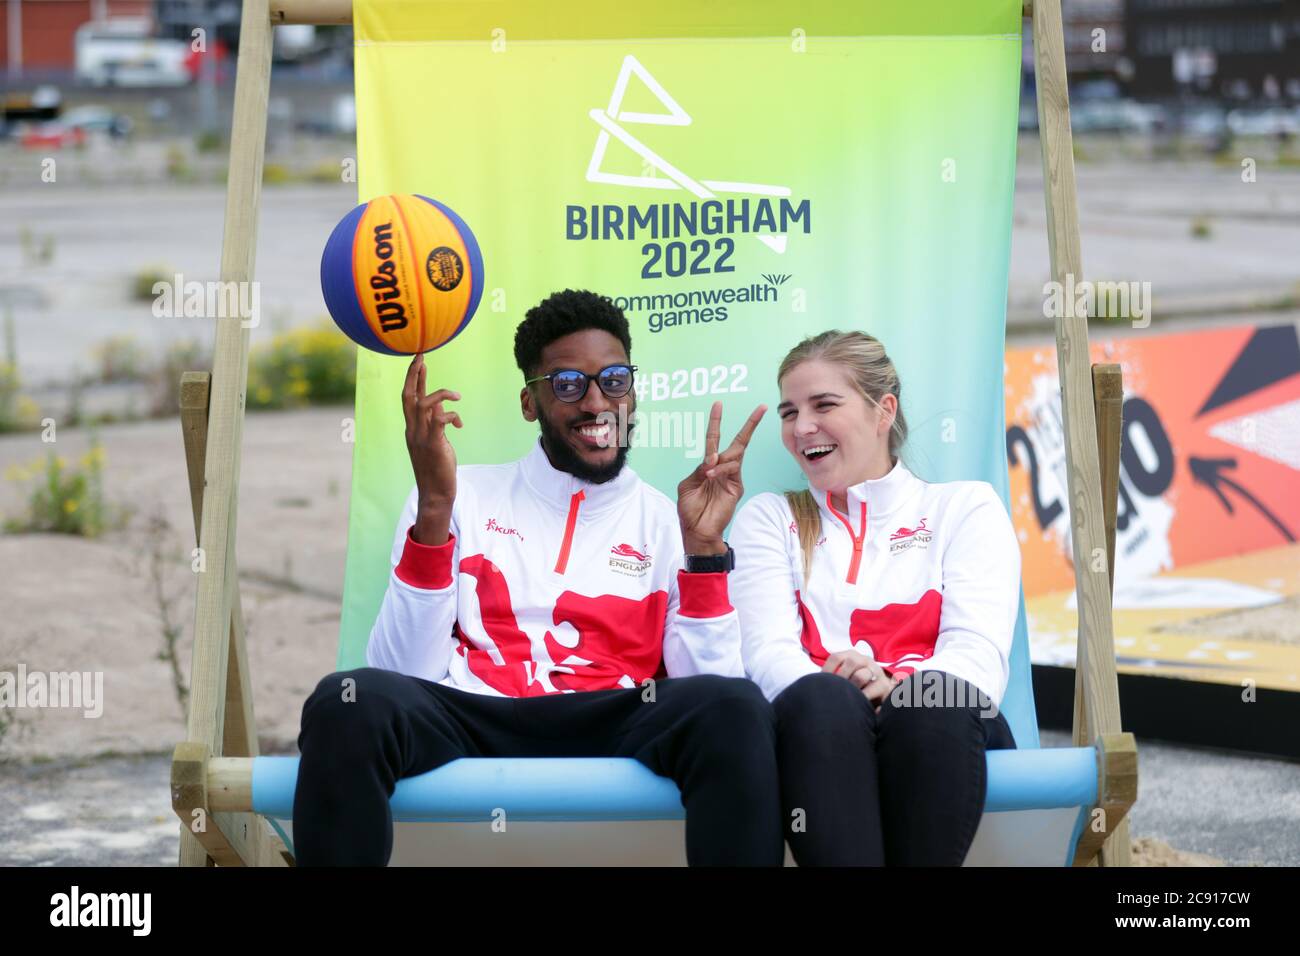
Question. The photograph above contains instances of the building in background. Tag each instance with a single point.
(38, 37)
(1095, 41)
(179, 18)
(1207, 68)
(1095, 52)
(1234, 50)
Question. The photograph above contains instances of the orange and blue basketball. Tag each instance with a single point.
(402, 274)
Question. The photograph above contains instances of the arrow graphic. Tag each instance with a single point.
(1209, 472)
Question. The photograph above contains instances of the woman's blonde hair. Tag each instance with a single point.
(873, 374)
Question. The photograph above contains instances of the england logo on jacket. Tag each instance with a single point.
(626, 559)
(905, 538)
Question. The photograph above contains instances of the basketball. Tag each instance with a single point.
(402, 274)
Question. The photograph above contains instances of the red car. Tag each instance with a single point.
(53, 136)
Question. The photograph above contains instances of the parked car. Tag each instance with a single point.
(1205, 122)
(1100, 89)
(122, 52)
(52, 135)
(1116, 116)
(98, 119)
(1272, 121)
(42, 103)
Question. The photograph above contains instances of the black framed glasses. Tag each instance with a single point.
(570, 385)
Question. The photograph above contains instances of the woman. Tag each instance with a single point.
(876, 612)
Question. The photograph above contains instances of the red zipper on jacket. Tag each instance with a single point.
(570, 523)
(858, 538)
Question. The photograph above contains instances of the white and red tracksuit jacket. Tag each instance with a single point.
(549, 584)
(917, 576)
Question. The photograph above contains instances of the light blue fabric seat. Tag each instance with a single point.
(621, 789)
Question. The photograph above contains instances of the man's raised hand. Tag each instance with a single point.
(432, 457)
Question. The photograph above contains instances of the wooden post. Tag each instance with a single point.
(239, 737)
(221, 718)
(1107, 403)
(311, 11)
(209, 668)
(1108, 406)
(1116, 793)
(1096, 656)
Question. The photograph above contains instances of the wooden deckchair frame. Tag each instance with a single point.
(221, 724)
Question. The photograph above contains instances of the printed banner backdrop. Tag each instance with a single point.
(1210, 459)
(739, 176)
(1208, 508)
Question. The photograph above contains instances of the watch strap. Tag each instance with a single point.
(711, 563)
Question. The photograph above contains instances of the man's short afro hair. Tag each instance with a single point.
(561, 314)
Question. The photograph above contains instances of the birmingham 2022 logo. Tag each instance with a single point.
(692, 237)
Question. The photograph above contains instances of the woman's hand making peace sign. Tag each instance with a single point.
(707, 497)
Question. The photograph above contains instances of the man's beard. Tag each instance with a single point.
(564, 458)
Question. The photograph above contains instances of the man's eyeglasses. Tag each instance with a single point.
(570, 385)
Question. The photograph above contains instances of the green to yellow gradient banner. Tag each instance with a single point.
(736, 176)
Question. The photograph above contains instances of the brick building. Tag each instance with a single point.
(37, 36)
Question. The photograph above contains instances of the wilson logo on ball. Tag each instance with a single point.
(402, 274)
(388, 297)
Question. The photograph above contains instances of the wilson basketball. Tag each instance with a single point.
(402, 274)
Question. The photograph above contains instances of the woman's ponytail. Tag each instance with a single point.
(808, 521)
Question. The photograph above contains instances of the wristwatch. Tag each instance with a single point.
(711, 563)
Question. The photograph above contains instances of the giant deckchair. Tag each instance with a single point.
(1044, 806)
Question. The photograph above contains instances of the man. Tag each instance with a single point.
(551, 606)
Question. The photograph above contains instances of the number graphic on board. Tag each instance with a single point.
(1046, 513)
